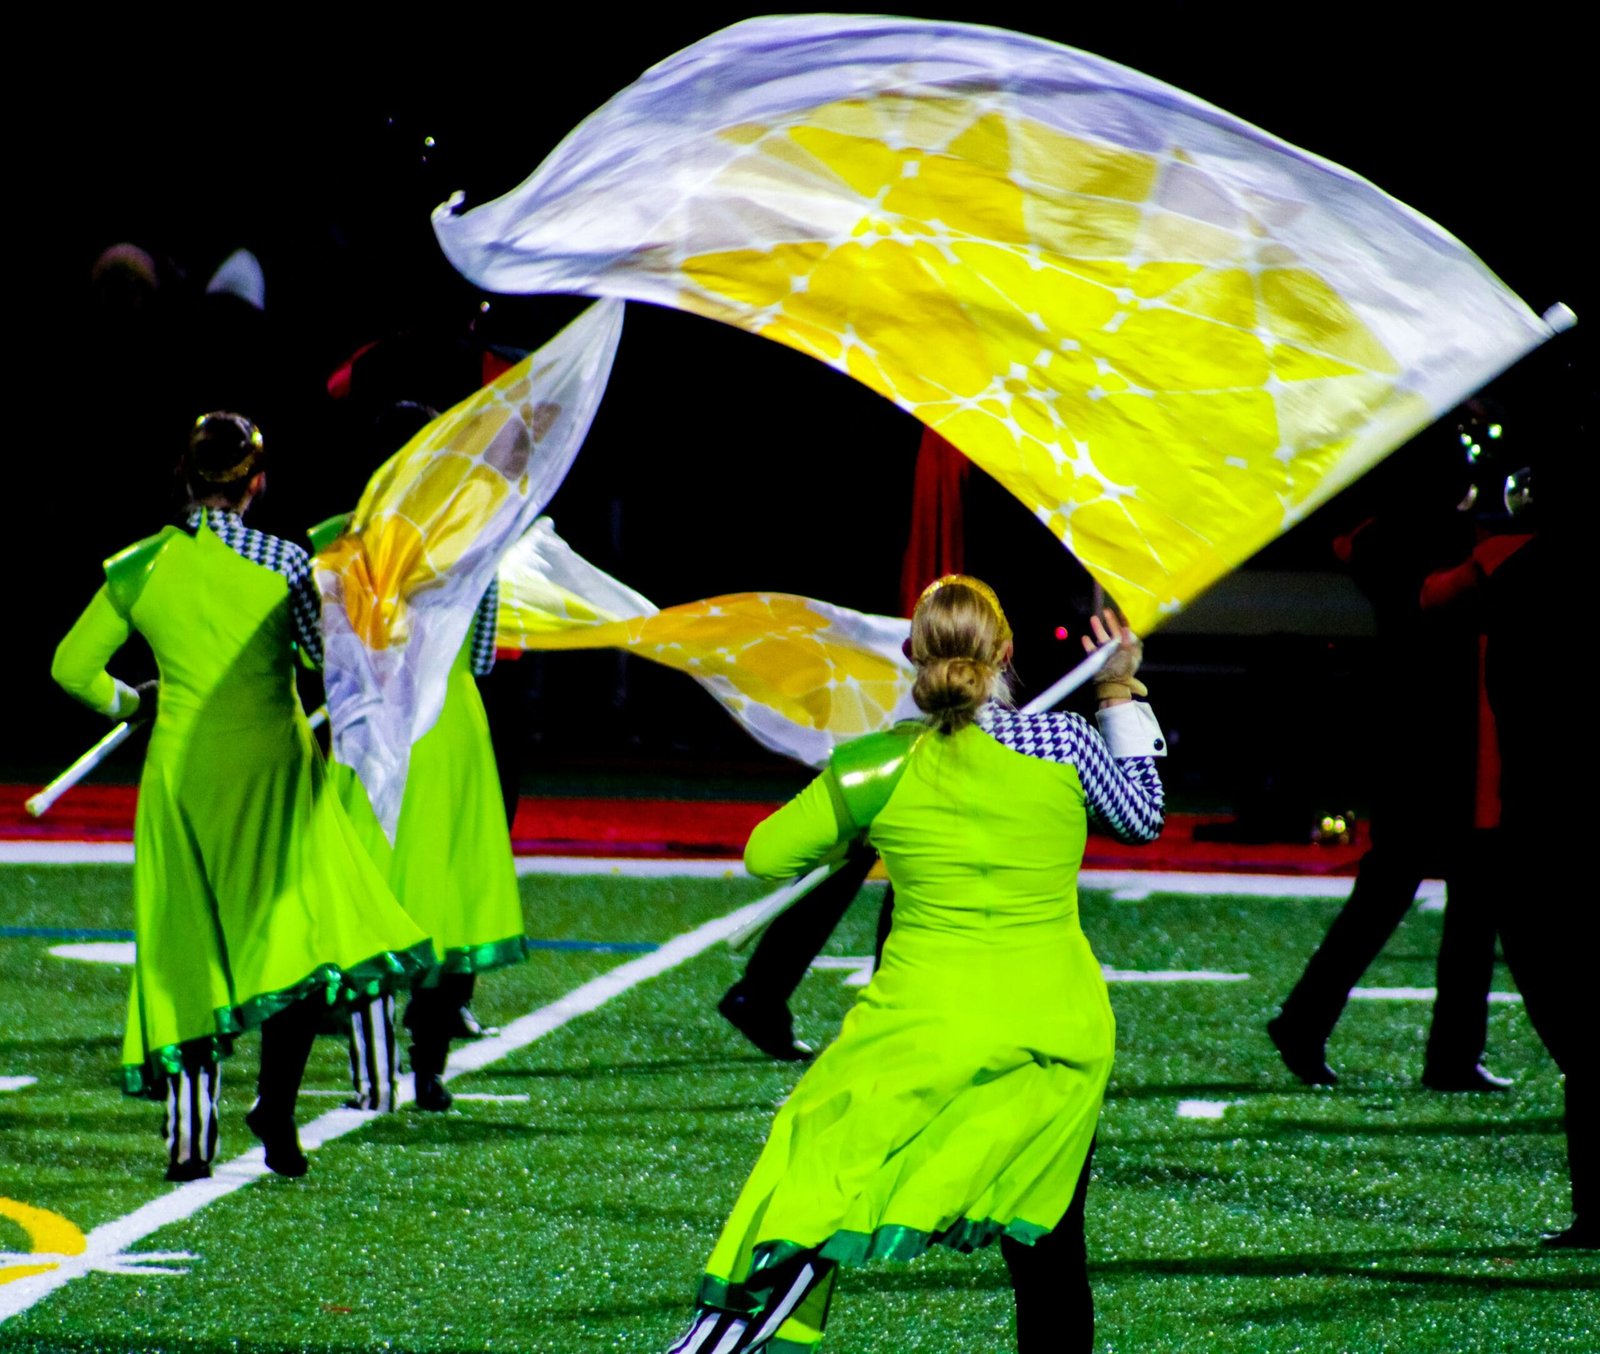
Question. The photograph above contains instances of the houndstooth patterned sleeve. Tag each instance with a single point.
(484, 623)
(1124, 794)
(282, 557)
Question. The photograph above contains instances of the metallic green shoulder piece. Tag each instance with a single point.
(127, 570)
(326, 533)
(866, 770)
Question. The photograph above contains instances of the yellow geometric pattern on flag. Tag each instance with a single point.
(1027, 293)
(758, 648)
(424, 507)
(48, 1234)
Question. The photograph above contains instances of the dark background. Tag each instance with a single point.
(310, 147)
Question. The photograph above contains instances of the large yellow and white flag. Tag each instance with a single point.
(1166, 331)
(400, 587)
(800, 676)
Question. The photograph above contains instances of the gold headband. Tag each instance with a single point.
(978, 586)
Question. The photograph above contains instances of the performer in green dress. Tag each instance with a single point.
(254, 902)
(452, 869)
(959, 1103)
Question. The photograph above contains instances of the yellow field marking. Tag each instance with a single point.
(48, 1234)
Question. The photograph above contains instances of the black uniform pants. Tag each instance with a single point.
(1539, 919)
(1386, 884)
(796, 937)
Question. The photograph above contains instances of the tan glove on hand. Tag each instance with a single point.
(1120, 688)
(1116, 680)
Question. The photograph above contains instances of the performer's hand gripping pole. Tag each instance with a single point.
(791, 893)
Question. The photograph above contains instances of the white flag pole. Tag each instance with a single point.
(40, 803)
(82, 767)
(1087, 670)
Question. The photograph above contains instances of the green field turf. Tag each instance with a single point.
(1372, 1216)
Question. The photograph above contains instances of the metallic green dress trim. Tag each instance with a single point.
(480, 958)
(128, 570)
(866, 770)
(854, 1248)
(394, 970)
(326, 532)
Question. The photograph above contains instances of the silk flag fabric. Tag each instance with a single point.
(1166, 331)
(400, 587)
(800, 676)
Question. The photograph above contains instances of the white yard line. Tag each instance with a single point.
(630, 867)
(633, 867)
(1203, 1109)
(1124, 885)
(1415, 994)
(109, 1242)
(1134, 886)
(66, 853)
(16, 1083)
(858, 968)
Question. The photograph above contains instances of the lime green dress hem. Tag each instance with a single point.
(387, 972)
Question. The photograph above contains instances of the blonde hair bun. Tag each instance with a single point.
(958, 643)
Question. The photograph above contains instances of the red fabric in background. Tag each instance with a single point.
(561, 826)
(935, 546)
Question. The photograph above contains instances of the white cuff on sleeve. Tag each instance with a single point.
(1131, 730)
(124, 701)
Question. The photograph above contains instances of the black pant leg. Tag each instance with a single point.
(430, 1017)
(1055, 1305)
(1551, 970)
(796, 937)
(286, 1041)
(1460, 1026)
(1386, 883)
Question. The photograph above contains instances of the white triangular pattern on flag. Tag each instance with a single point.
(546, 584)
(800, 676)
(400, 588)
(1166, 331)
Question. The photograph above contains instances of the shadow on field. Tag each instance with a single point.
(1195, 1090)
(1413, 1128)
(101, 1343)
(69, 1045)
(1377, 1266)
(655, 1067)
(1369, 1266)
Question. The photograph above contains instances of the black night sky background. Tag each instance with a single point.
(311, 149)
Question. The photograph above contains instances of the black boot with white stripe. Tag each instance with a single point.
(374, 1057)
(721, 1332)
(191, 1124)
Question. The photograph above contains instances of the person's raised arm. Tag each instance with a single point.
(1118, 769)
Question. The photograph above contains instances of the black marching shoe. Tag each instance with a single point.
(280, 1141)
(1583, 1235)
(769, 1027)
(432, 1094)
(1474, 1078)
(180, 1172)
(1301, 1054)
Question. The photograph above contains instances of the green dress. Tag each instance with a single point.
(960, 1099)
(451, 864)
(250, 888)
